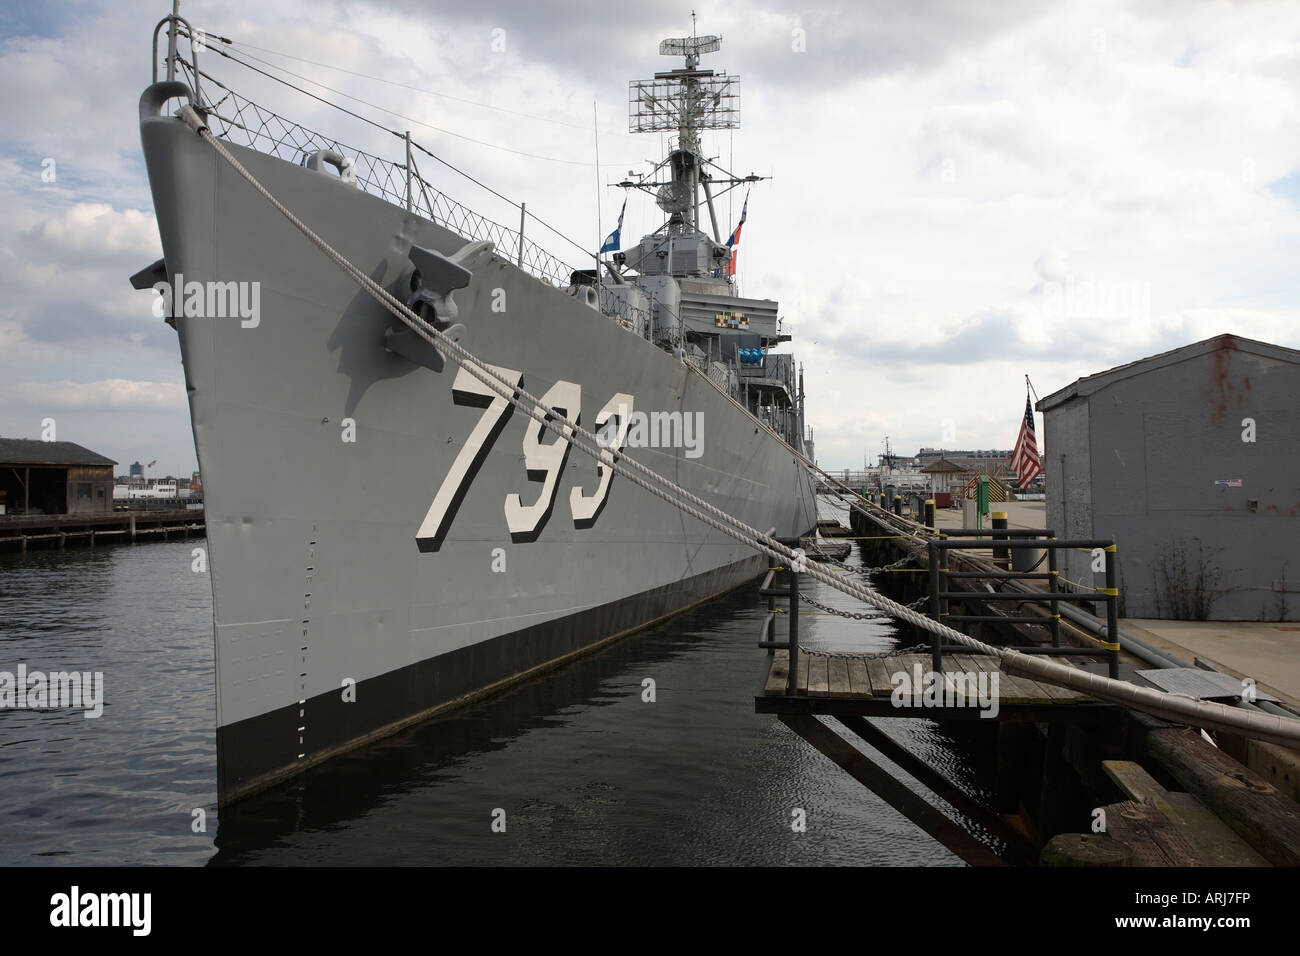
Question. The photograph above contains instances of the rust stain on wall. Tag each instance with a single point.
(1221, 388)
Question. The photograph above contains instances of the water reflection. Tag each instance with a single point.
(584, 769)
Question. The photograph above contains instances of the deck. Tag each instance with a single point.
(865, 685)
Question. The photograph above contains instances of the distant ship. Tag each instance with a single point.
(387, 539)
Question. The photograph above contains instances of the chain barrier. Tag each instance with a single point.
(840, 565)
(865, 656)
(858, 615)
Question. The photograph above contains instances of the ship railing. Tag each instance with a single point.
(234, 118)
(770, 370)
(722, 373)
(619, 308)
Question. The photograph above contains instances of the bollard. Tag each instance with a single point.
(929, 513)
(898, 505)
(1000, 555)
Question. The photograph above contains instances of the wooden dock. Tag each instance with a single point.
(865, 684)
(1058, 758)
(18, 532)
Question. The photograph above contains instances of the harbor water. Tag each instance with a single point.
(577, 764)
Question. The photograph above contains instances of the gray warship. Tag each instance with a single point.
(386, 539)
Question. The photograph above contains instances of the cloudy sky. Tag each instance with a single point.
(961, 194)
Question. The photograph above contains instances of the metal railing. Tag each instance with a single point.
(235, 119)
(175, 503)
(238, 120)
(766, 636)
(612, 304)
(1026, 539)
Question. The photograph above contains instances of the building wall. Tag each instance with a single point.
(90, 489)
(1159, 441)
(1067, 467)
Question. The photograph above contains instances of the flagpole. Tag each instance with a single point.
(595, 135)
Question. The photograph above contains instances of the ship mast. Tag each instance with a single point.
(687, 101)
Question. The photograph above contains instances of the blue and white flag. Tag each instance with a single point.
(612, 241)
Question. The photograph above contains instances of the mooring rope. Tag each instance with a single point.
(1199, 713)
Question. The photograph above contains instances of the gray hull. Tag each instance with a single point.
(321, 593)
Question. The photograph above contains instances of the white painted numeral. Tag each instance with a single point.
(467, 390)
(586, 508)
(544, 463)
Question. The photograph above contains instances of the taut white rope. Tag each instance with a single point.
(1196, 712)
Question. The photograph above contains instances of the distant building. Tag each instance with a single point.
(137, 470)
(979, 454)
(53, 477)
(130, 490)
(981, 461)
(945, 480)
(1190, 461)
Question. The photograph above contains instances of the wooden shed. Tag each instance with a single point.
(53, 477)
(942, 474)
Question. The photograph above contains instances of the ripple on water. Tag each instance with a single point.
(584, 769)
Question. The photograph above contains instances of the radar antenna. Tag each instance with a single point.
(685, 101)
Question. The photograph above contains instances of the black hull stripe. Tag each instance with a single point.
(259, 752)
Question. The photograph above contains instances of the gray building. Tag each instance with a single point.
(1190, 461)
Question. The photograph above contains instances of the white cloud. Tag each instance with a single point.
(936, 165)
(115, 394)
(97, 228)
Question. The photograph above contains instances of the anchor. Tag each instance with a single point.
(432, 280)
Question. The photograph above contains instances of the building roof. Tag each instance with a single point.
(1084, 387)
(29, 451)
(942, 466)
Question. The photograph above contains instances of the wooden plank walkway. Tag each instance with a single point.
(862, 684)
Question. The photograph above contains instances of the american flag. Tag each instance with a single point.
(1025, 461)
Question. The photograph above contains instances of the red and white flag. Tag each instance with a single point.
(1026, 462)
(734, 242)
